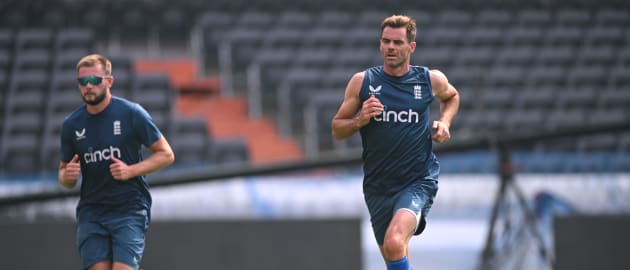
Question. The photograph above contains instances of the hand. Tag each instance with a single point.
(371, 107)
(72, 170)
(442, 134)
(119, 169)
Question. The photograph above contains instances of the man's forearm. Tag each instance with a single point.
(344, 128)
(155, 162)
(448, 109)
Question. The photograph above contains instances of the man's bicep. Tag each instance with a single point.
(160, 145)
(351, 101)
(442, 89)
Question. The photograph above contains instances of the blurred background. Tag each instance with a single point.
(537, 175)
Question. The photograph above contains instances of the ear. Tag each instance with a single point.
(412, 45)
(110, 81)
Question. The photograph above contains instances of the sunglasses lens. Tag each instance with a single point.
(92, 79)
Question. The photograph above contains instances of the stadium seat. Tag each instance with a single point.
(282, 38)
(565, 118)
(68, 59)
(174, 25)
(573, 17)
(189, 138)
(604, 115)
(611, 17)
(520, 55)
(518, 120)
(50, 153)
(578, 96)
(525, 34)
(547, 75)
(602, 55)
(487, 36)
(505, 76)
(618, 77)
(5, 62)
(564, 36)
(28, 90)
(313, 57)
(581, 76)
(295, 19)
(443, 35)
(322, 35)
(499, 97)
(230, 151)
(20, 154)
(537, 98)
(153, 92)
(32, 60)
(363, 36)
(68, 39)
(318, 112)
(534, 18)
(330, 18)
(34, 39)
(439, 57)
(615, 98)
(453, 17)
(249, 19)
(6, 39)
(495, 18)
(601, 35)
(466, 76)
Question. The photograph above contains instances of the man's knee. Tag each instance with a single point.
(394, 247)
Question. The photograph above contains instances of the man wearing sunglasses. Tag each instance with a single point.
(101, 142)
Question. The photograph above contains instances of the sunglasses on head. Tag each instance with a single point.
(94, 80)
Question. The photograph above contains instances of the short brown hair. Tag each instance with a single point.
(94, 59)
(398, 21)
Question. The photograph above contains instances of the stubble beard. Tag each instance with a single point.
(97, 99)
(396, 64)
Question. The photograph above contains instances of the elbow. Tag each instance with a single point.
(167, 157)
(170, 158)
(335, 133)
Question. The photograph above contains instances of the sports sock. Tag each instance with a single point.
(401, 264)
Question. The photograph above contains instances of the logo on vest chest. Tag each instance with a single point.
(408, 116)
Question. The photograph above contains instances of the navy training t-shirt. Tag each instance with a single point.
(120, 130)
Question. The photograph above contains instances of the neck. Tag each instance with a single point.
(95, 109)
(396, 71)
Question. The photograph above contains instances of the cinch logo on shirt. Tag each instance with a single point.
(408, 116)
(100, 155)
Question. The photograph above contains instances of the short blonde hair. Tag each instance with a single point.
(398, 21)
(93, 60)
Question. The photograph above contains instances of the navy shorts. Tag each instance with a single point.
(417, 198)
(117, 238)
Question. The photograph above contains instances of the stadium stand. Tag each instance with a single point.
(539, 65)
(520, 66)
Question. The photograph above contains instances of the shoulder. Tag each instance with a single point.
(358, 77)
(438, 79)
(355, 83)
(122, 103)
(438, 76)
(119, 101)
(76, 118)
(78, 113)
